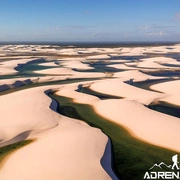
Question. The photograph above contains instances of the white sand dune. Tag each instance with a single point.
(150, 63)
(70, 51)
(98, 57)
(75, 64)
(171, 89)
(122, 66)
(135, 75)
(56, 71)
(8, 67)
(145, 124)
(22, 120)
(131, 114)
(70, 73)
(66, 148)
(59, 148)
(60, 153)
(118, 88)
(49, 64)
(7, 70)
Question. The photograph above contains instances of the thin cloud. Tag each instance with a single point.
(86, 12)
(162, 27)
(144, 27)
(96, 35)
(177, 16)
(79, 27)
(69, 28)
(157, 34)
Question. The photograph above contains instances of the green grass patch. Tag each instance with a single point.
(101, 96)
(132, 157)
(6, 150)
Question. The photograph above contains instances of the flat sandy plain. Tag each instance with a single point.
(87, 113)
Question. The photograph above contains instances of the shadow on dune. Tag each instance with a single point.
(16, 84)
(54, 104)
(106, 160)
(18, 138)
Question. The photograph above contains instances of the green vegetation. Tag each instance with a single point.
(6, 150)
(101, 96)
(166, 108)
(132, 157)
(147, 83)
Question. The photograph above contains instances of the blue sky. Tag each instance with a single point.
(90, 20)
